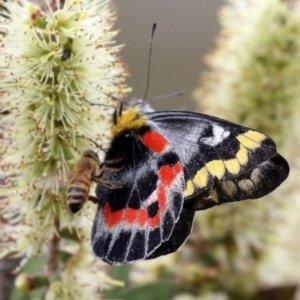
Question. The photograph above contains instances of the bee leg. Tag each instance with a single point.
(93, 199)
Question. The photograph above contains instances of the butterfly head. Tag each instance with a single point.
(131, 119)
(142, 104)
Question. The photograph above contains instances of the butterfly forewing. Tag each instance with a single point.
(212, 150)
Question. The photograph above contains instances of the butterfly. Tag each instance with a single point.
(173, 163)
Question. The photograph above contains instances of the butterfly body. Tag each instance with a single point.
(174, 163)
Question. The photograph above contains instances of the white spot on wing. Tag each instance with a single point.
(219, 134)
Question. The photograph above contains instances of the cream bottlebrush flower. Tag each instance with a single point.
(51, 64)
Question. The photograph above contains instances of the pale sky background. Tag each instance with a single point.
(186, 30)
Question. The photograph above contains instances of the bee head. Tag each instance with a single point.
(91, 154)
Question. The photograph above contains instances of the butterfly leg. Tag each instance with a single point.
(104, 167)
(113, 170)
(112, 161)
(111, 185)
(107, 184)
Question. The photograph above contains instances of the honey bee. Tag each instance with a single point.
(87, 169)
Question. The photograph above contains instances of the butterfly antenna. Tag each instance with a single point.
(149, 60)
(116, 111)
(176, 94)
(122, 102)
(106, 105)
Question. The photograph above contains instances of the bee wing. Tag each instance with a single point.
(55, 182)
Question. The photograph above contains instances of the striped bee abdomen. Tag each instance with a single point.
(78, 192)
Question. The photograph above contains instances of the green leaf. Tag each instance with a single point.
(118, 273)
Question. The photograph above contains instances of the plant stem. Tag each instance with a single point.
(52, 263)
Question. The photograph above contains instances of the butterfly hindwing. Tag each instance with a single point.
(179, 235)
(134, 219)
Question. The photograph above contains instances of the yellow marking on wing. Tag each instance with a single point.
(254, 135)
(201, 178)
(248, 143)
(249, 140)
(189, 190)
(232, 165)
(216, 168)
(242, 155)
(131, 119)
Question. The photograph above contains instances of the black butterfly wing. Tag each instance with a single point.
(136, 218)
(179, 235)
(254, 184)
(217, 155)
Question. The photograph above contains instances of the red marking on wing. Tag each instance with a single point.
(130, 216)
(166, 175)
(143, 217)
(177, 168)
(162, 198)
(153, 222)
(154, 141)
(112, 218)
